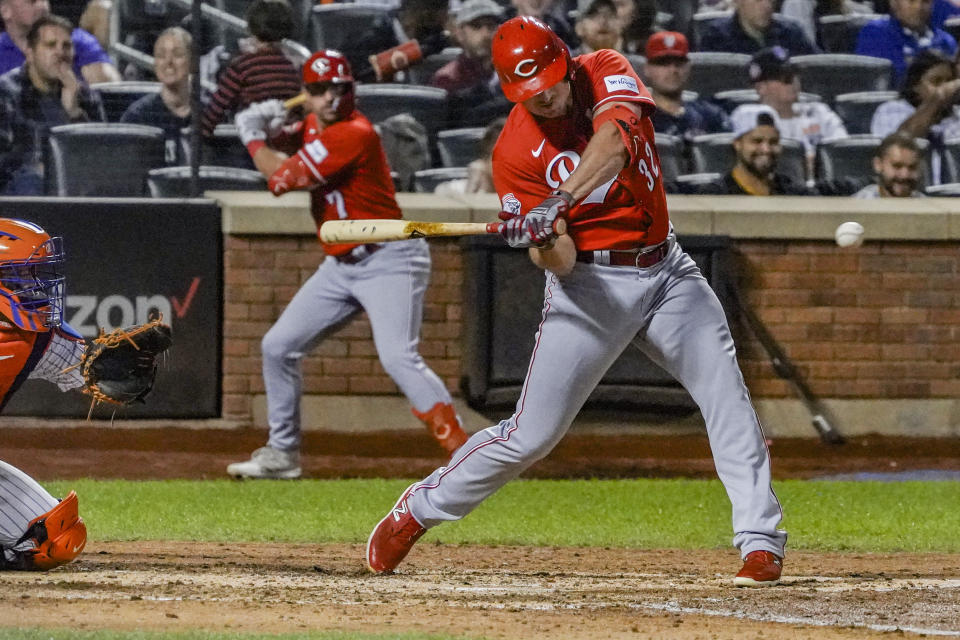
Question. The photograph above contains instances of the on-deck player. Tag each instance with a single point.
(336, 153)
(37, 531)
(580, 144)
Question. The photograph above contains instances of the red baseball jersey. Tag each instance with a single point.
(534, 156)
(350, 168)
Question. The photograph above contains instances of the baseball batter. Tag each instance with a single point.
(37, 531)
(580, 144)
(336, 153)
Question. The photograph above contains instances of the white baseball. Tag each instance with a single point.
(849, 234)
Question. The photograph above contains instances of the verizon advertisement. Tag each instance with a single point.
(128, 259)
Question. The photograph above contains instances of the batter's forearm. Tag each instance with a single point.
(604, 158)
(268, 160)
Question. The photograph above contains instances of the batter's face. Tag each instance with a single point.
(898, 172)
(759, 150)
(323, 98)
(554, 102)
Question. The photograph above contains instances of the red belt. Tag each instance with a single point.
(640, 258)
(358, 254)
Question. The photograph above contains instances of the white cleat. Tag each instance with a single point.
(267, 463)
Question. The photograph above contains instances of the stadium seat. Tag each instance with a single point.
(713, 71)
(670, 151)
(690, 182)
(733, 98)
(421, 72)
(830, 74)
(713, 153)
(295, 52)
(426, 180)
(950, 161)
(174, 182)
(856, 109)
(838, 33)
(950, 189)
(850, 158)
(347, 27)
(459, 147)
(428, 105)
(952, 26)
(117, 96)
(638, 62)
(101, 159)
(224, 149)
(701, 23)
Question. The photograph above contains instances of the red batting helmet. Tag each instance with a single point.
(529, 58)
(329, 66)
(31, 279)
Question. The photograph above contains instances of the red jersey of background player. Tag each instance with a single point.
(350, 168)
(534, 156)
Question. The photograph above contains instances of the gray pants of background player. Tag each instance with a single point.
(21, 500)
(589, 318)
(389, 285)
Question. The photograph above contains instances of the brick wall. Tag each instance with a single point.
(882, 321)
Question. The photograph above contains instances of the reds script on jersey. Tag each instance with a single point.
(347, 160)
(533, 157)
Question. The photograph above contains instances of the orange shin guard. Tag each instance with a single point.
(444, 425)
(59, 535)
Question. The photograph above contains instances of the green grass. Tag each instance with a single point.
(47, 634)
(852, 516)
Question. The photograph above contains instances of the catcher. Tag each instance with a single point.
(38, 532)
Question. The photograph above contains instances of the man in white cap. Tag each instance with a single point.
(470, 79)
(756, 144)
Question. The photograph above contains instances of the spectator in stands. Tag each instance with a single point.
(480, 171)
(42, 93)
(639, 20)
(752, 27)
(666, 71)
(475, 96)
(598, 26)
(170, 108)
(927, 108)
(897, 165)
(756, 144)
(901, 36)
(808, 13)
(423, 21)
(778, 85)
(260, 74)
(90, 61)
(550, 12)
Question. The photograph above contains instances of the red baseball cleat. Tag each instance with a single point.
(394, 536)
(760, 569)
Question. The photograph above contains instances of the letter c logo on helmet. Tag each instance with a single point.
(530, 71)
(529, 58)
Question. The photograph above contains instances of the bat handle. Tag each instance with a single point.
(295, 101)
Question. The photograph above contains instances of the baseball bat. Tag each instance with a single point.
(295, 101)
(349, 231)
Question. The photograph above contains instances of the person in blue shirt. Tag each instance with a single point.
(902, 35)
(90, 61)
(752, 27)
(667, 70)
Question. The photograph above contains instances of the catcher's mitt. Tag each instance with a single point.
(119, 367)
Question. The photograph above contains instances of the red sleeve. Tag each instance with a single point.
(613, 79)
(336, 147)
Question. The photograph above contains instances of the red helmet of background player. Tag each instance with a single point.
(529, 58)
(329, 66)
(31, 279)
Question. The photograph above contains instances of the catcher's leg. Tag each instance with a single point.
(37, 531)
(392, 294)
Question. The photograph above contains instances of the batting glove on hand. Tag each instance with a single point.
(260, 120)
(541, 219)
(515, 230)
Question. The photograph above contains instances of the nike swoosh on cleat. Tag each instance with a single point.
(536, 154)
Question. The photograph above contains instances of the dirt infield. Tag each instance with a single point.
(502, 592)
(467, 590)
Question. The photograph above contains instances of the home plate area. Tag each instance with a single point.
(492, 592)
